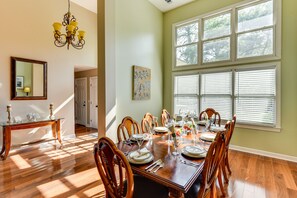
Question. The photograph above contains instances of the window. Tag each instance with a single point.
(249, 92)
(226, 60)
(241, 33)
(216, 92)
(255, 96)
(255, 30)
(186, 91)
(216, 35)
(187, 44)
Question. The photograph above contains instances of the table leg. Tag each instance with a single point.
(58, 127)
(54, 130)
(7, 132)
(3, 142)
(175, 193)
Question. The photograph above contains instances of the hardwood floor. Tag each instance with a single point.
(45, 170)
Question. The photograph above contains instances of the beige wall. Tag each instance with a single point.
(283, 142)
(28, 33)
(87, 74)
(138, 42)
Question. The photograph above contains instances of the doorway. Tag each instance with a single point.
(80, 92)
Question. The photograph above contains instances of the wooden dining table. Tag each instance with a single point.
(179, 171)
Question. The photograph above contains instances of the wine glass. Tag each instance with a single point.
(168, 124)
(175, 145)
(139, 140)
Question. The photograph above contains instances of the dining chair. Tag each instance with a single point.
(117, 176)
(165, 116)
(147, 123)
(228, 139)
(114, 169)
(205, 184)
(222, 170)
(127, 127)
(211, 113)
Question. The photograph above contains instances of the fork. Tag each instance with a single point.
(160, 166)
(157, 164)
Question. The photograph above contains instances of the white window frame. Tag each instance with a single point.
(276, 56)
(277, 127)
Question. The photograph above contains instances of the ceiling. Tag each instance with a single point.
(164, 6)
(88, 4)
(160, 4)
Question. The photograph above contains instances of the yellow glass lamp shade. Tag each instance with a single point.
(81, 34)
(57, 26)
(74, 23)
(27, 90)
(70, 28)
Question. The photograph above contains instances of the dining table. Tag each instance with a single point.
(179, 171)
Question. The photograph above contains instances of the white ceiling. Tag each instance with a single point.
(164, 6)
(88, 4)
(160, 4)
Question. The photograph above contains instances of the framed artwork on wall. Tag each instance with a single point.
(141, 83)
(20, 82)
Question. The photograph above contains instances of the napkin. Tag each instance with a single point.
(141, 155)
(194, 150)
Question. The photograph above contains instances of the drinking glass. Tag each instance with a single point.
(194, 134)
(175, 145)
(139, 141)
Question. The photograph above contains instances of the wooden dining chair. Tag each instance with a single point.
(211, 113)
(165, 116)
(228, 139)
(127, 127)
(114, 169)
(205, 184)
(147, 123)
(117, 176)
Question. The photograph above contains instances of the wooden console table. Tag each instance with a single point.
(8, 127)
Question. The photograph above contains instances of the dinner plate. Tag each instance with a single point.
(186, 153)
(201, 122)
(208, 137)
(134, 137)
(194, 150)
(143, 159)
(161, 129)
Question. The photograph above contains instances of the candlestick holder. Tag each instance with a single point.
(51, 116)
(9, 114)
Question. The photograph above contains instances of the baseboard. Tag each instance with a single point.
(264, 153)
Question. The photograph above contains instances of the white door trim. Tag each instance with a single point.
(93, 124)
(86, 97)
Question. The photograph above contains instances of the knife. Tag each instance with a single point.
(152, 164)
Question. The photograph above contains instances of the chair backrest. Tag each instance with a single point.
(147, 123)
(212, 113)
(128, 127)
(114, 169)
(165, 116)
(229, 133)
(211, 165)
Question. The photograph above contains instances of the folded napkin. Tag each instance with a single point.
(194, 150)
(141, 155)
(208, 137)
(217, 128)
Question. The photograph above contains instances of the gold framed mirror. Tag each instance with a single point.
(28, 79)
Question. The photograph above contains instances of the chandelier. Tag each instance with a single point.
(71, 27)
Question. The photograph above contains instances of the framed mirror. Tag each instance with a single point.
(28, 79)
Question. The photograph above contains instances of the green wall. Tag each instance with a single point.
(284, 142)
(138, 34)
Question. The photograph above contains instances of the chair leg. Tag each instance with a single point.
(221, 182)
(224, 173)
(227, 163)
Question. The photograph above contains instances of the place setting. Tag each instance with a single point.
(140, 156)
(194, 151)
